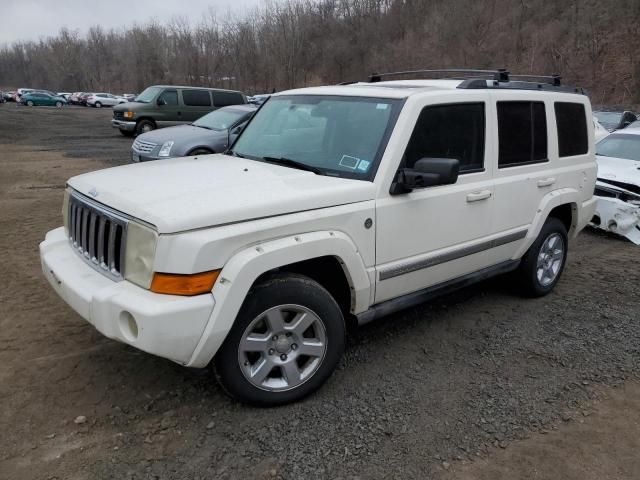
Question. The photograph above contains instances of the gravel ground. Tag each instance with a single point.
(417, 393)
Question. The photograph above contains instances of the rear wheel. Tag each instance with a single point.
(542, 265)
(286, 341)
(98, 105)
(29, 103)
(59, 104)
(145, 126)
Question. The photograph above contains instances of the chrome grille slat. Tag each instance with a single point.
(85, 219)
(142, 146)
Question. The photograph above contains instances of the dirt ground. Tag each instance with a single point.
(480, 384)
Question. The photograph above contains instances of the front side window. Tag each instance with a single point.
(338, 136)
(571, 121)
(170, 97)
(522, 133)
(449, 131)
(196, 98)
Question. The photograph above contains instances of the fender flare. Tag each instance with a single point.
(550, 201)
(242, 270)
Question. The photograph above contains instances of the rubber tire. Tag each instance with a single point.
(30, 103)
(280, 289)
(59, 104)
(529, 283)
(97, 105)
(127, 133)
(140, 125)
(199, 151)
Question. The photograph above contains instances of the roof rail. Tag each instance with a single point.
(499, 75)
(498, 78)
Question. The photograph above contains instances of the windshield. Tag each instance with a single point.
(608, 118)
(221, 119)
(620, 146)
(339, 136)
(148, 94)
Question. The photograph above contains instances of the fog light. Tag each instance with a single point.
(128, 326)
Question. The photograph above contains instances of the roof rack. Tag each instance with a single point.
(498, 78)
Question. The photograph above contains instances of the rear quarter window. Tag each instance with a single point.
(522, 133)
(196, 98)
(571, 121)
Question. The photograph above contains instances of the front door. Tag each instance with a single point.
(435, 234)
(169, 111)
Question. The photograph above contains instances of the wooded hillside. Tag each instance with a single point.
(284, 44)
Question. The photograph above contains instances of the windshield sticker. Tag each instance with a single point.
(348, 161)
(363, 166)
(382, 106)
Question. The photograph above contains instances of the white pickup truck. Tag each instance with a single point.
(335, 206)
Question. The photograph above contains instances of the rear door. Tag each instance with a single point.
(526, 168)
(196, 104)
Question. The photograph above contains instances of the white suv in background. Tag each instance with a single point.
(336, 205)
(100, 100)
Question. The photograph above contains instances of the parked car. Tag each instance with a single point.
(618, 185)
(42, 99)
(20, 92)
(2, 99)
(64, 95)
(335, 204)
(598, 130)
(83, 97)
(100, 100)
(212, 133)
(9, 96)
(166, 105)
(615, 120)
(129, 96)
(74, 99)
(258, 99)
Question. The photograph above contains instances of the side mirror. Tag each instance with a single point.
(161, 102)
(426, 172)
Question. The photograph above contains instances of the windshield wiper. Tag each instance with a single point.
(287, 162)
(234, 154)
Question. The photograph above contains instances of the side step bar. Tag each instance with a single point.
(412, 299)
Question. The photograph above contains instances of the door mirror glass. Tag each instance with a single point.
(427, 172)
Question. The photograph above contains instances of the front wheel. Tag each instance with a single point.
(199, 151)
(145, 126)
(542, 265)
(98, 105)
(286, 341)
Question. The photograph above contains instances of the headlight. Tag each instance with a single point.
(165, 150)
(128, 115)
(140, 253)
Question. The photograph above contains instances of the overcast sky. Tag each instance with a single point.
(34, 19)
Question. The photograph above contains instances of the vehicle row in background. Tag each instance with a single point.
(615, 120)
(169, 105)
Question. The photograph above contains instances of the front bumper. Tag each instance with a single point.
(144, 157)
(122, 125)
(165, 325)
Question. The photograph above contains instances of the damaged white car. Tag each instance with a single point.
(618, 185)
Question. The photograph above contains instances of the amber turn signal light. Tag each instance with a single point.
(177, 284)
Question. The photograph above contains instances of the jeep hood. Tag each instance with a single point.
(188, 193)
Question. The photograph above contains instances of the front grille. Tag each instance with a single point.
(141, 146)
(98, 235)
(118, 115)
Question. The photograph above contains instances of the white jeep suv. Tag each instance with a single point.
(335, 206)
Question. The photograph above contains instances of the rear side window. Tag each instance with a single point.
(522, 133)
(222, 99)
(449, 131)
(170, 97)
(196, 98)
(571, 120)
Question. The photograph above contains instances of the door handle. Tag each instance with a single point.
(477, 196)
(547, 182)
